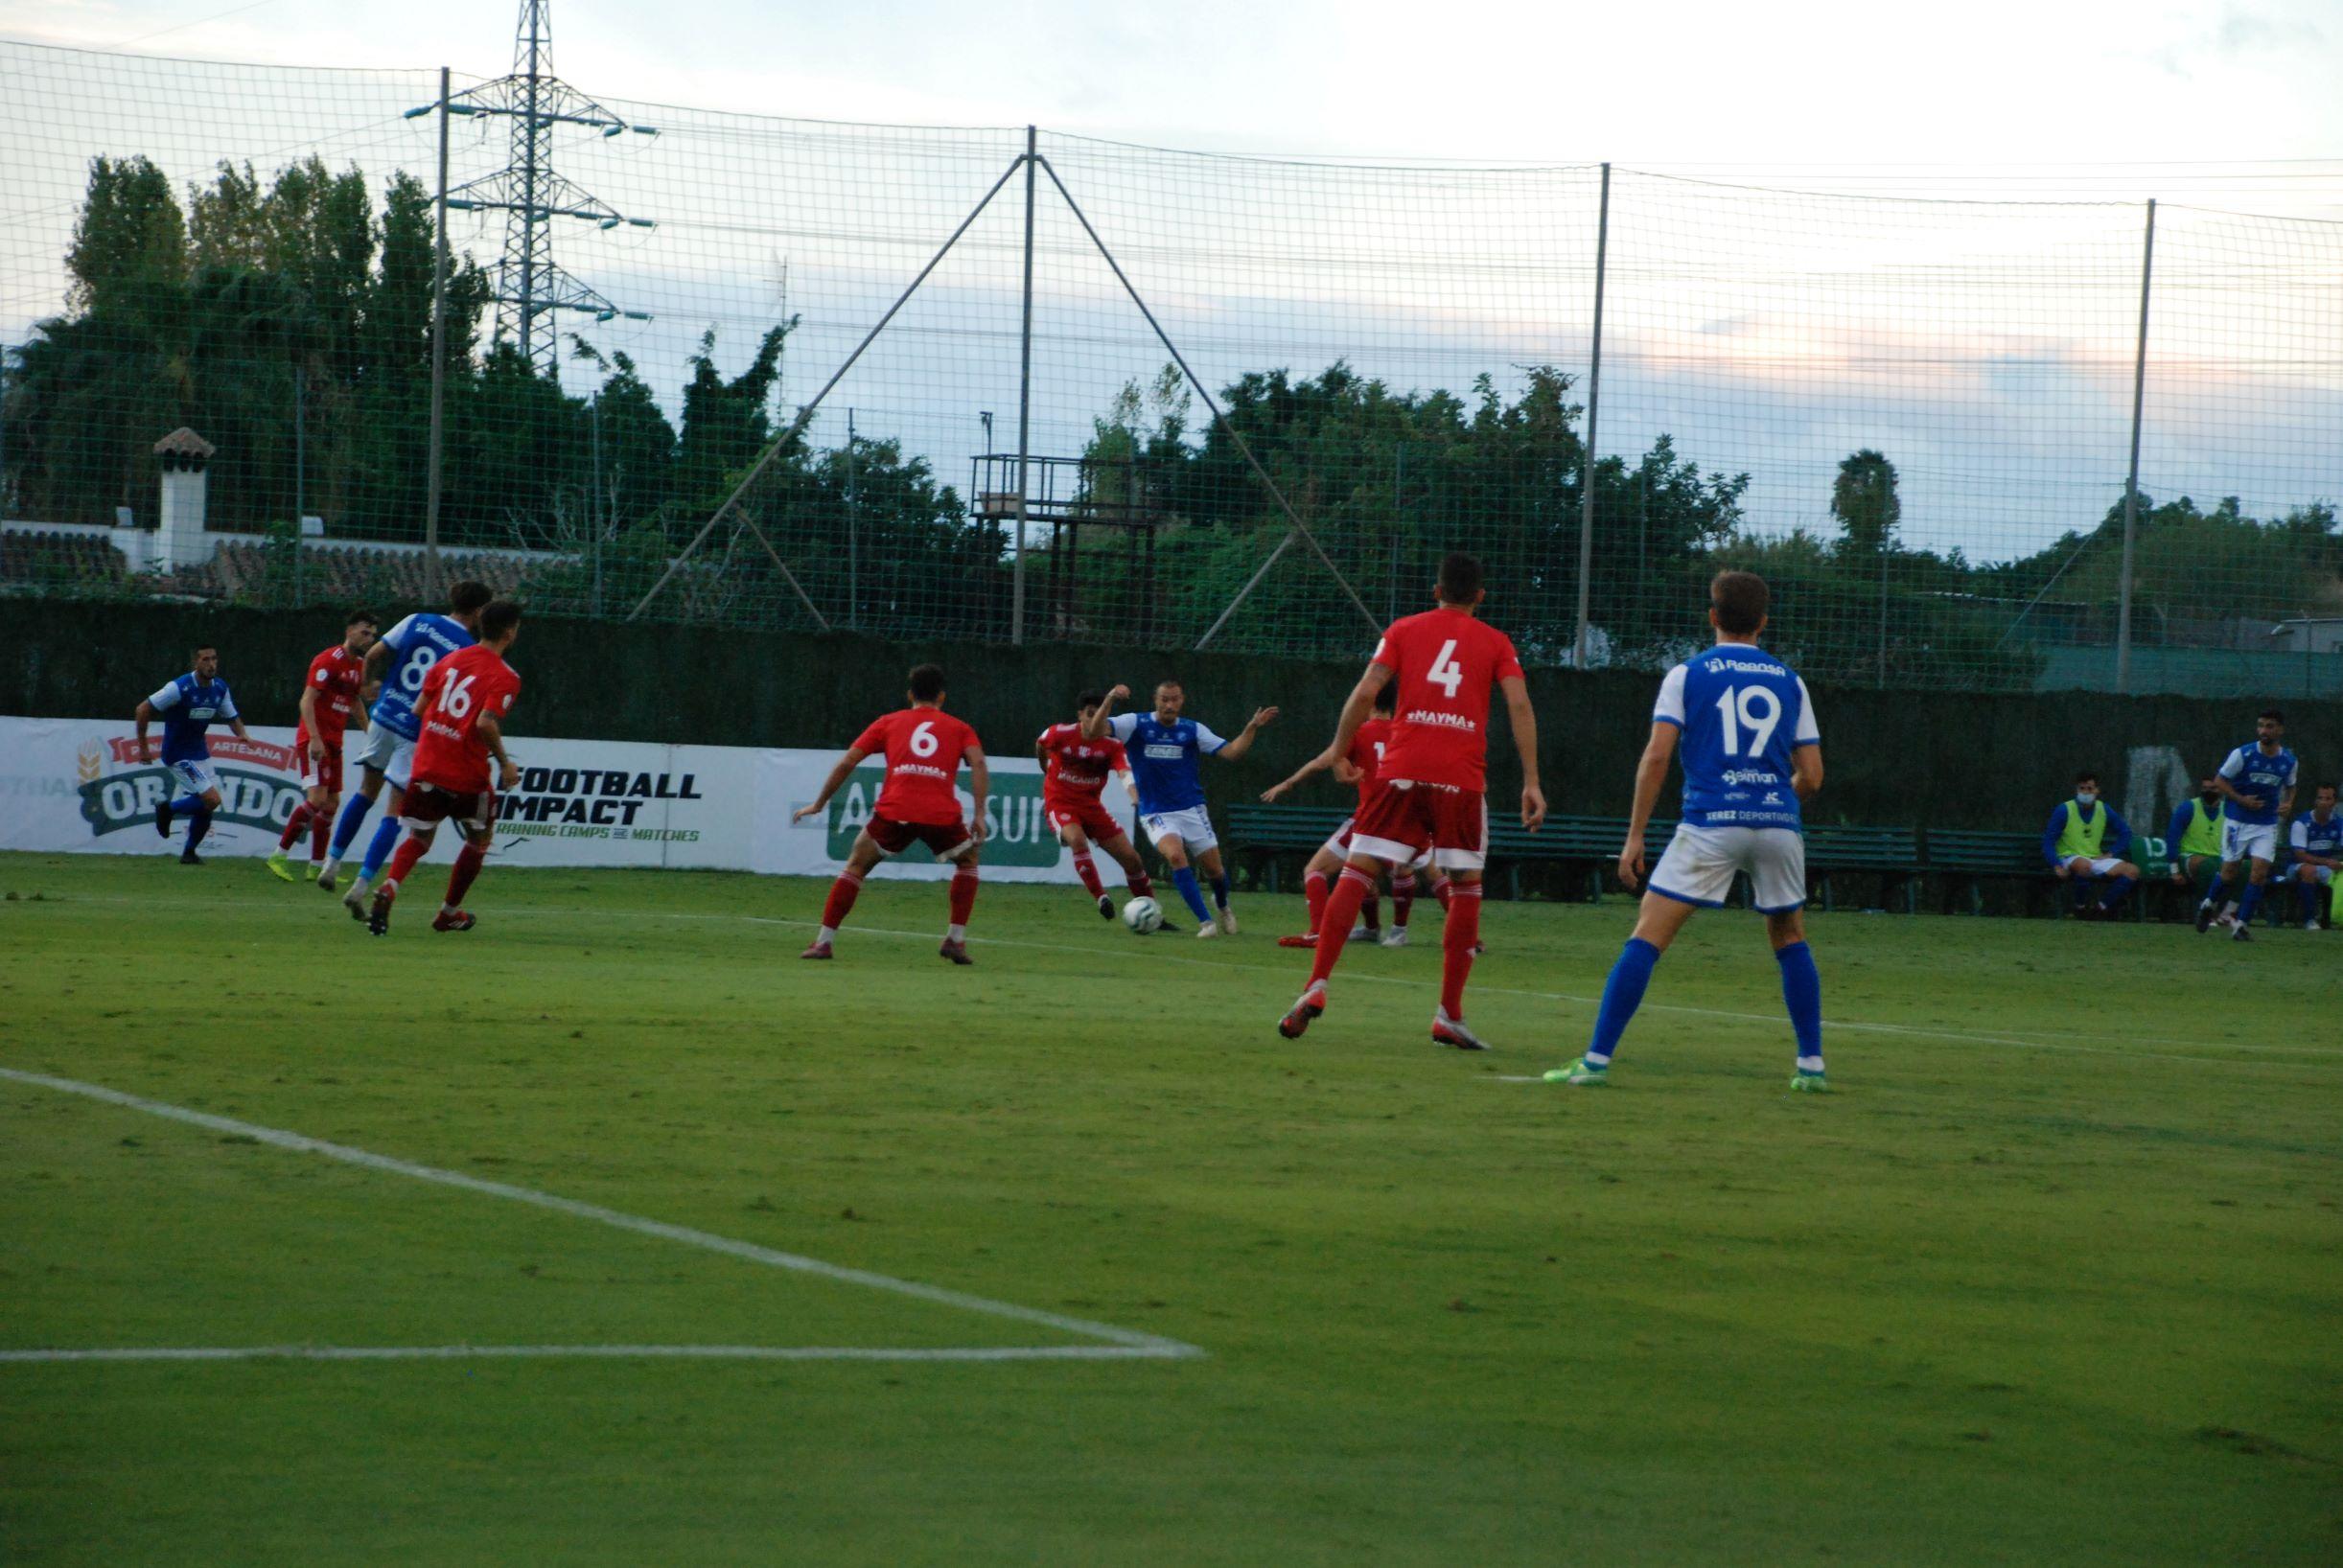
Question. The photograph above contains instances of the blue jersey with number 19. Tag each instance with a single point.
(416, 644)
(1741, 711)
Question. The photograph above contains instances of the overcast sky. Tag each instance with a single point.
(1709, 82)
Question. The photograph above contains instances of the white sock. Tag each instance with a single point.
(332, 862)
(955, 933)
(827, 933)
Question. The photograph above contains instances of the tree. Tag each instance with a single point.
(131, 237)
(1864, 499)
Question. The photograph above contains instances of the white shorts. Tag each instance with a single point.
(388, 752)
(2320, 874)
(1340, 847)
(1700, 863)
(2249, 841)
(196, 774)
(2083, 865)
(1190, 827)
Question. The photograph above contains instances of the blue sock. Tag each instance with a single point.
(1622, 995)
(2214, 887)
(345, 826)
(1184, 879)
(1802, 992)
(2246, 902)
(1220, 892)
(186, 803)
(386, 840)
(2118, 889)
(199, 826)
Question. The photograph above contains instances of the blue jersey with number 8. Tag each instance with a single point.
(1741, 712)
(416, 644)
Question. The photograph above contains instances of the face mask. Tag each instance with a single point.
(2086, 796)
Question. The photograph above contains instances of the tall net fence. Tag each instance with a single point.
(1138, 397)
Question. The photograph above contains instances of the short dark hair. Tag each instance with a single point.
(1460, 578)
(2271, 713)
(1171, 681)
(1741, 600)
(1088, 699)
(498, 617)
(926, 682)
(204, 646)
(467, 596)
(2086, 776)
(2328, 785)
(359, 618)
(1388, 699)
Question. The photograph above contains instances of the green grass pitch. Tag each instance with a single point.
(2054, 1277)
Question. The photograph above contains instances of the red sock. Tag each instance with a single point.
(293, 824)
(964, 894)
(1373, 910)
(467, 867)
(1142, 886)
(1444, 888)
(1335, 929)
(1403, 899)
(1088, 870)
(1313, 893)
(1456, 941)
(841, 900)
(321, 834)
(411, 850)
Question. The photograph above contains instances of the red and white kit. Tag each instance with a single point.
(450, 778)
(1073, 780)
(1430, 794)
(920, 802)
(336, 676)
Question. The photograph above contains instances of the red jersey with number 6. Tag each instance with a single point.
(1444, 661)
(923, 748)
(451, 753)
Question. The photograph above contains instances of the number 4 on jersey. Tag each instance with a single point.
(1445, 673)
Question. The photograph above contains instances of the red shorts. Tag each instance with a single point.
(1402, 822)
(429, 804)
(947, 841)
(322, 772)
(1086, 811)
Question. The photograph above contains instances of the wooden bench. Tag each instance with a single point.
(1893, 854)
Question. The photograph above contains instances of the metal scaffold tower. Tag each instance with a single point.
(531, 285)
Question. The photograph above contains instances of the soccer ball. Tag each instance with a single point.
(1142, 916)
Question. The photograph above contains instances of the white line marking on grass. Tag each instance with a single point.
(1130, 1341)
(597, 1352)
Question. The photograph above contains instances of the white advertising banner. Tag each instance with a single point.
(78, 785)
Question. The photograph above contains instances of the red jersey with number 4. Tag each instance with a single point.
(1444, 661)
(1078, 769)
(923, 748)
(335, 676)
(1367, 748)
(451, 753)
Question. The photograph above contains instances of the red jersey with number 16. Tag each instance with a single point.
(923, 748)
(451, 753)
(1443, 661)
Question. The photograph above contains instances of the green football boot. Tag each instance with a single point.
(283, 868)
(1582, 1073)
(1810, 1083)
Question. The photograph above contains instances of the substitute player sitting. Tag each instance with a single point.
(2256, 780)
(1432, 793)
(2084, 840)
(459, 725)
(924, 746)
(330, 693)
(2317, 843)
(2193, 837)
(1165, 751)
(1073, 773)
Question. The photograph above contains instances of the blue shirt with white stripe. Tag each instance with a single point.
(1741, 712)
(1166, 759)
(187, 707)
(416, 643)
(2262, 778)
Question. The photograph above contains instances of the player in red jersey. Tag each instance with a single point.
(461, 714)
(1074, 772)
(1432, 793)
(924, 746)
(334, 684)
(1357, 767)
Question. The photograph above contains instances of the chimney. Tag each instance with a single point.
(180, 540)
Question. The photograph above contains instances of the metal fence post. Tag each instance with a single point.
(1025, 400)
(1595, 385)
(431, 582)
(2131, 483)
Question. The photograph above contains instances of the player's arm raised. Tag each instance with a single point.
(1651, 772)
(1315, 765)
(980, 786)
(1096, 725)
(831, 785)
(1235, 750)
(493, 732)
(1524, 721)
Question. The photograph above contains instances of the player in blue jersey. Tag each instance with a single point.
(1167, 753)
(397, 662)
(2258, 781)
(2317, 843)
(2085, 841)
(1752, 752)
(188, 707)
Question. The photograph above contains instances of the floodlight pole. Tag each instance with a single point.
(2131, 484)
(1025, 402)
(432, 585)
(1594, 388)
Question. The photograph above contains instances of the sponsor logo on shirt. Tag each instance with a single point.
(1718, 666)
(1751, 776)
(1164, 752)
(1444, 720)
